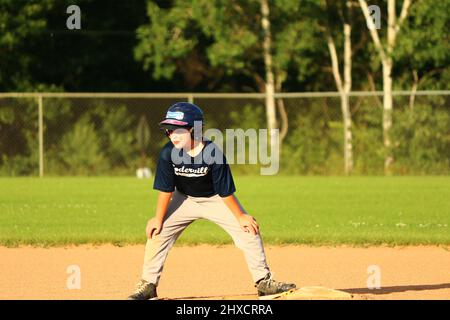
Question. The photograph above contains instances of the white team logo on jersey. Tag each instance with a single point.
(189, 172)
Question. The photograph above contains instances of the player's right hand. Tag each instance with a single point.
(249, 224)
(154, 227)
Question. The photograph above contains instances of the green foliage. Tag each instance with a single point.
(7, 115)
(206, 45)
(20, 21)
(18, 165)
(143, 134)
(163, 41)
(116, 133)
(81, 152)
(96, 137)
(110, 147)
(312, 143)
(224, 39)
(18, 136)
(143, 139)
(423, 45)
(298, 39)
(422, 139)
(249, 117)
(368, 136)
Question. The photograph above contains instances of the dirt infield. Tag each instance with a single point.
(208, 272)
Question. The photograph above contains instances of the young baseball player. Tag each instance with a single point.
(195, 182)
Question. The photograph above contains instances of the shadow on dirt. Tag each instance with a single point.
(246, 296)
(396, 289)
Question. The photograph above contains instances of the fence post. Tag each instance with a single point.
(191, 98)
(41, 137)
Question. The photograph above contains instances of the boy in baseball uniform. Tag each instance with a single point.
(195, 182)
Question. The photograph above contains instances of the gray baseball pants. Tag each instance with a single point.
(181, 212)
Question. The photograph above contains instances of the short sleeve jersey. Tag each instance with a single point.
(204, 175)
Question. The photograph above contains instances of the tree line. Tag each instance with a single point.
(233, 46)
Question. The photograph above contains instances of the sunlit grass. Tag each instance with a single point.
(300, 210)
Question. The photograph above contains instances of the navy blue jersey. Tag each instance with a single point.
(204, 175)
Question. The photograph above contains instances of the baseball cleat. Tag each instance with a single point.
(268, 286)
(144, 291)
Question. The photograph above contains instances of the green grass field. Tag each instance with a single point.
(290, 210)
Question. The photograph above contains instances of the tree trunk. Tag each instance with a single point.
(344, 89)
(282, 110)
(270, 85)
(387, 115)
(386, 59)
(348, 144)
(345, 103)
(387, 87)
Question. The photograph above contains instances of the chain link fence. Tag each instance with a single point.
(59, 134)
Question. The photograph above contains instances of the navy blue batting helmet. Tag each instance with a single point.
(181, 114)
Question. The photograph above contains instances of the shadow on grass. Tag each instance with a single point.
(396, 289)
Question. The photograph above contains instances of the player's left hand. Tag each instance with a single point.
(249, 224)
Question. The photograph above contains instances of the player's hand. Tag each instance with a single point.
(154, 227)
(249, 224)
